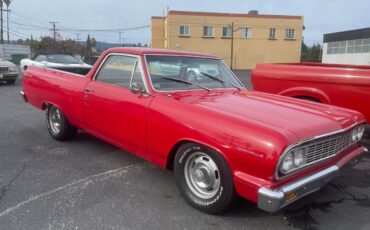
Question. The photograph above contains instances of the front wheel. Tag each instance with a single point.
(204, 178)
(58, 125)
(11, 82)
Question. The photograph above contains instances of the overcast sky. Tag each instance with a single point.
(319, 16)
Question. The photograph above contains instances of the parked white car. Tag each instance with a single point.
(8, 72)
(56, 61)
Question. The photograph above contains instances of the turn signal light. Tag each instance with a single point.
(290, 196)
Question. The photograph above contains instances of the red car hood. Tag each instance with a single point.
(301, 118)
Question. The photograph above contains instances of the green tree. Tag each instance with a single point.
(88, 48)
(311, 53)
(93, 42)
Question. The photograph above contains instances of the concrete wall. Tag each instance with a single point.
(247, 51)
(346, 58)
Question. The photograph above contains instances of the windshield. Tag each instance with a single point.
(62, 59)
(204, 72)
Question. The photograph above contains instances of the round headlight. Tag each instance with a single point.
(299, 157)
(360, 132)
(354, 135)
(287, 164)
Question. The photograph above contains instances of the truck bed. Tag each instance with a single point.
(339, 66)
(341, 85)
(45, 85)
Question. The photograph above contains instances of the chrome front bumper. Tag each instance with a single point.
(23, 94)
(274, 200)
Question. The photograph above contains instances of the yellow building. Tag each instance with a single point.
(242, 40)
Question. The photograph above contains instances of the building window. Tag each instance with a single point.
(289, 34)
(349, 47)
(337, 47)
(184, 30)
(358, 46)
(272, 34)
(227, 32)
(366, 45)
(207, 31)
(246, 32)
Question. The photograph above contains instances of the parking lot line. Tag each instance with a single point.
(79, 183)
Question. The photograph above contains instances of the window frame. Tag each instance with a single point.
(184, 35)
(249, 32)
(353, 46)
(138, 62)
(180, 90)
(212, 34)
(287, 37)
(274, 33)
(227, 30)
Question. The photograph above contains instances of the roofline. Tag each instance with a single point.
(158, 17)
(155, 51)
(194, 13)
(347, 35)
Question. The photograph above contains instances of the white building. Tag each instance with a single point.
(347, 47)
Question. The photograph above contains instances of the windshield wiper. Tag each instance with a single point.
(184, 81)
(219, 80)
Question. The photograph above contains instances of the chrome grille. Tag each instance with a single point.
(4, 69)
(327, 147)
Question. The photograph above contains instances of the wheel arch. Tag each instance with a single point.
(46, 104)
(306, 92)
(172, 153)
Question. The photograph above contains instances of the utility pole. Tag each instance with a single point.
(54, 29)
(78, 37)
(1, 18)
(7, 24)
(120, 38)
(232, 46)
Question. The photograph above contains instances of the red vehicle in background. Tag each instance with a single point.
(341, 85)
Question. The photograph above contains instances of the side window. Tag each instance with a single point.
(117, 70)
(40, 58)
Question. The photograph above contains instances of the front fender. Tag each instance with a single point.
(307, 92)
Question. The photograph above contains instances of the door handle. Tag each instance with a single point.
(88, 90)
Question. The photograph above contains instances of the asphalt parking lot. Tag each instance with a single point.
(89, 184)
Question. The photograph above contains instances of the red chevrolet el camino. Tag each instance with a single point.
(187, 112)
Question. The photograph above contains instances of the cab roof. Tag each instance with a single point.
(144, 51)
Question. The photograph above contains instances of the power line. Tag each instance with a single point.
(28, 18)
(18, 32)
(104, 30)
(20, 35)
(81, 30)
(32, 26)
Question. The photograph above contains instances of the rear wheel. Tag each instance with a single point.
(204, 178)
(58, 125)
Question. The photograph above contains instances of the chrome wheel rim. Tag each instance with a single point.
(202, 175)
(55, 120)
(192, 76)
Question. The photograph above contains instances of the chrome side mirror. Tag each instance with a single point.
(137, 88)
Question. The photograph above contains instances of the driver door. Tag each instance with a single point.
(111, 109)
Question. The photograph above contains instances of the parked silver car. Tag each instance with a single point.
(8, 72)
